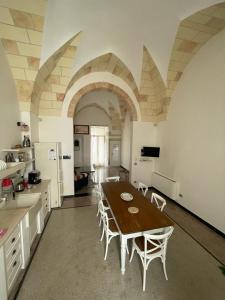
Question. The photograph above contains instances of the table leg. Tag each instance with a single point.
(123, 253)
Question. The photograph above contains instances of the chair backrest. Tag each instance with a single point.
(101, 205)
(105, 220)
(158, 242)
(143, 188)
(159, 201)
(112, 179)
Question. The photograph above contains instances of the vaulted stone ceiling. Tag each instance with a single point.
(68, 52)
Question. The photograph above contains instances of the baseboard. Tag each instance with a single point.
(191, 213)
(69, 196)
(124, 169)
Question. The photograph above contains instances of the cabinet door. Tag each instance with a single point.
(3, 286)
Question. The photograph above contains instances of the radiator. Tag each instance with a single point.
(165, 185)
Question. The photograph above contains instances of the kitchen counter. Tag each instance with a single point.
(37, 188)
(12, 213)
(9, 219)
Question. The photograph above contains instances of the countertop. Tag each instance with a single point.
(9, 219)
(37, 188)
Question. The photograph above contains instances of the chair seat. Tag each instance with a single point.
(110, 216)
(140, 243)
(112, 226)
(105, 203)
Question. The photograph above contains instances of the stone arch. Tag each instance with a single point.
(95, 105)
(193, 32)
(108, 62)
(101, 86)
(49, 88)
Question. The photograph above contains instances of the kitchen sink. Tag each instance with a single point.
(31, 201)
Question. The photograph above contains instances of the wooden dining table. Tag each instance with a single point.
(131, 225)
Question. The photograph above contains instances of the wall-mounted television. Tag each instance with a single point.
(150, 151)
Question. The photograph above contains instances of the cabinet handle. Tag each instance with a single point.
(14, 251)
(13, 240)
(15, 263)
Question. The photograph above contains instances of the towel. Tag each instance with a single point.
(2, 232)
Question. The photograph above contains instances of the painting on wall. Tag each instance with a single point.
(81, 129)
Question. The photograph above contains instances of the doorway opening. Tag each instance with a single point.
(99, 146)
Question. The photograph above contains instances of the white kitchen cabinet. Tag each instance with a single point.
(45, 196)
(14, 255)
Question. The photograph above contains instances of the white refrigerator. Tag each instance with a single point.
(48, 160)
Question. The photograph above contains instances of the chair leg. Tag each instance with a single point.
(164, 267)
(132, 251)
(106, 246)
(144, 277)
(102, 233)
(100, 221)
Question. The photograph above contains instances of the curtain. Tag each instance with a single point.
(99, 146)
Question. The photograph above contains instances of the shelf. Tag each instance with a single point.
(12, 168)
(17, 149)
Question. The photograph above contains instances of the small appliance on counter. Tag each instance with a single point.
(34, 177)
(20, 187)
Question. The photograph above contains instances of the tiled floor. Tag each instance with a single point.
(69, 265)
(69, 261)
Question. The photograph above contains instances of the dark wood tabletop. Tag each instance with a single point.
(148, 218)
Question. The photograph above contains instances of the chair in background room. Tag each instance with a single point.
(158, 200)
(112, 179)
(151, 246)
(143, 188)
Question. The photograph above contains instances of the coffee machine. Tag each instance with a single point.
(34, 177)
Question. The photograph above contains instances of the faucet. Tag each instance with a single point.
(13, 191)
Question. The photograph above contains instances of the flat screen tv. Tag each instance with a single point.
(150, 151)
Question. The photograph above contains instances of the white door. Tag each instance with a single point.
(114, 153)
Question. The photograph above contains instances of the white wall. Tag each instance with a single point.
(193, 139)
(34, 120)
(59, 129)
(126, 142)
(9, 109)
(143, 134)
(92, 116)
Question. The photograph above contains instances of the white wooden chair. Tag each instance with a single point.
(158, 200)
(109, 229)
(143, 188)
(112, 179)
(102, 203)
(151, 246)
(109, 225)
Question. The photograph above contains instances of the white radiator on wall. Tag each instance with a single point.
(165, 185)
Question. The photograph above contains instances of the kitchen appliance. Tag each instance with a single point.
(48, 159)
(34, 177)
(150, 151)
(7, 186)
(20, 187)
